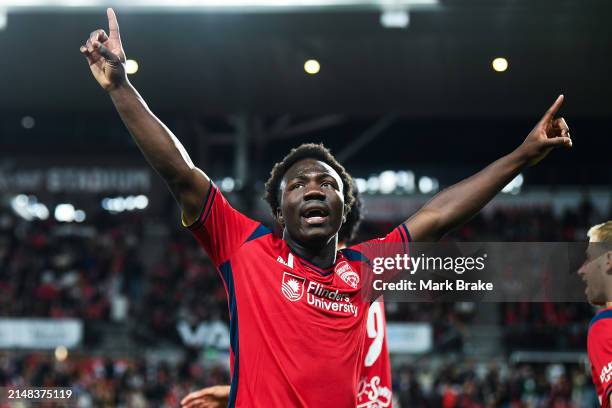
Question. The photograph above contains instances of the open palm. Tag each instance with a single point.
(105, 54)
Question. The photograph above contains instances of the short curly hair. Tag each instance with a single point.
(307, 151)
(348, 231)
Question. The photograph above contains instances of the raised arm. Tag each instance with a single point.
(106, 59)
(460, 202)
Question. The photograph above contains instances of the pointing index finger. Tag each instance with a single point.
(550, 113)
(113, 26)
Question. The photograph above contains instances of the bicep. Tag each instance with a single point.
(190, 193)
(424, 225)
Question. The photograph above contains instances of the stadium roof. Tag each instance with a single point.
(215, 62)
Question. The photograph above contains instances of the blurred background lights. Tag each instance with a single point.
(121, 204)
(28, 122)
(426, 185)
(312, 66)
(396, 182)
(228, 184)
(405, 181)
(131, 66)
(64, 212)
(79, 216)
(500, 64)
(514, 186)
(388, 182)
(141, 202)
(3, 19)
(362, 185)
(373, 184)
(61, 353)
(395, 19)
(28, 207)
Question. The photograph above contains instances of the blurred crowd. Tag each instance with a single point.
(140, 382)
(108, 270)
(109, 382)
(470, 385)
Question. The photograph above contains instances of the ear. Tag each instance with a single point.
(279, 217)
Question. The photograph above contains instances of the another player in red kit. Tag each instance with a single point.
(374, 389)
(597, 273)
(297, 314)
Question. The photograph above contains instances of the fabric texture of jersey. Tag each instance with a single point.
(374, 387)
(296, 331)
(599, 344)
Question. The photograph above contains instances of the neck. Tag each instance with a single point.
(323, 256)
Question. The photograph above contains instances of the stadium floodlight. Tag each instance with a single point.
(221, 5)
(3, 19)
(131, 66)
(395, 18)
(500, 64)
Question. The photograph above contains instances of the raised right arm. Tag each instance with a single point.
(161, 148)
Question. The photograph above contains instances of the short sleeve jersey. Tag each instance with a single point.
(599, 344)
(296, 330)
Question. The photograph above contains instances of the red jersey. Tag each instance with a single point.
(296, 330)
(374, 387)
(599, 344)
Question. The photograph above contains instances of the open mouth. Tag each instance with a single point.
(315, 216)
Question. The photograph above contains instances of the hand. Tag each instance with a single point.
(548, 134)
(105, 54)
(211, 397)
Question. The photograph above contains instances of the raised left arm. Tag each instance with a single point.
(457, 204)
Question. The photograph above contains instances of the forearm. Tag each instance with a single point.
(460, 202)
(160, 147)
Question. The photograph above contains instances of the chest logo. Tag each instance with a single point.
(347, 274)
(292, 286)
(289, 262)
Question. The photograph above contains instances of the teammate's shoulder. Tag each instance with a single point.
(602, 320)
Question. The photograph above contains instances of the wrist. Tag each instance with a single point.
(118, 86)
(119, 89)
(520, 156)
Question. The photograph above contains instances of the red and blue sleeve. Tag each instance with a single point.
(220, 229)
(600, 354)
(394, 243)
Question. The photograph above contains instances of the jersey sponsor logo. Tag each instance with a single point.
(289, 261)
(371, 394)
(606, 373)
(347, 274)
(330, 300)
(292, 286)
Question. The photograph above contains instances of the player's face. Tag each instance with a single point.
(595, 272)
(312, 202)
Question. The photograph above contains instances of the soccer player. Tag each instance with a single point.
(374, 386)
(597, 273)
(297, 313)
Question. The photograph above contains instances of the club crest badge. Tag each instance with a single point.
(292, 286)
(347, 274)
